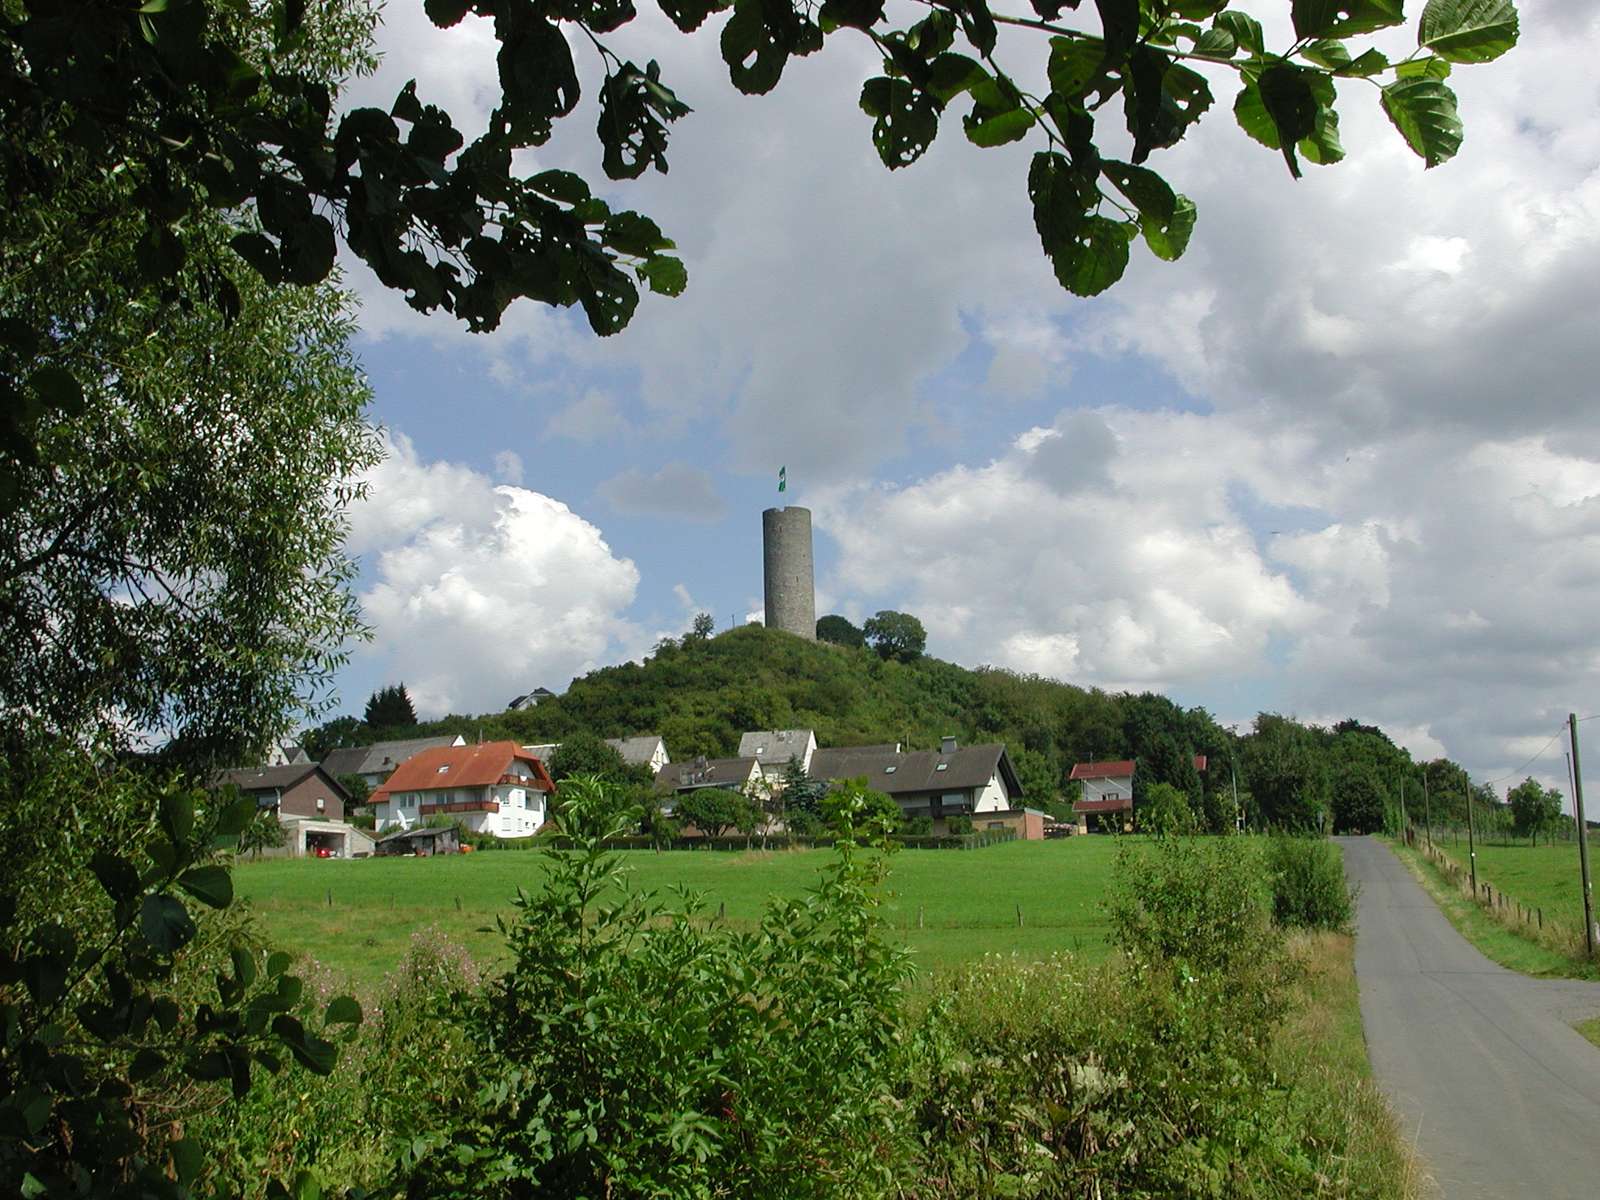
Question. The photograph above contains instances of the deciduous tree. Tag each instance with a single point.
(896, 635)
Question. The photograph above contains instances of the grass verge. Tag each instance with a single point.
(1507, 941)
(1323, 1048)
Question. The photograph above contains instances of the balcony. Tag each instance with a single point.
(460, 806)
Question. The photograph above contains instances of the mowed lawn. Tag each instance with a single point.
(358, 916)
(1542, 876)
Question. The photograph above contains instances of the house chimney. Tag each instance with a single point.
(947, 745)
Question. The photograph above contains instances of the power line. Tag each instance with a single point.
(1537, 754)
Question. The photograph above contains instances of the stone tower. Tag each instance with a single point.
(791, 603)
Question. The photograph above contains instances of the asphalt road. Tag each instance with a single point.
(1482, 1064)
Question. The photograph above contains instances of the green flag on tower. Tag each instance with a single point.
(783, 479)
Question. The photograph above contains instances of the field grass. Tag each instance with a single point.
(1543, 876)
(357, 917)
(1508, 942)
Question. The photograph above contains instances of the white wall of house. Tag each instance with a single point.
(523, 808)
(994, 796)
(1112, 787)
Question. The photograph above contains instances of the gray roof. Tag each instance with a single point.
(273, 779)
(918, 770)
(379, 757)
(774, 747)
(636, 751)
(705, 773)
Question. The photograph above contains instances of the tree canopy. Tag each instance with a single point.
(895, 635)
(389, 708)
(207, 106)
(838, 630)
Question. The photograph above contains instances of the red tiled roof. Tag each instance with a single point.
(468, 767)
(1102, 806)
(1103, 770)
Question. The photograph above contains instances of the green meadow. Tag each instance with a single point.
(357, 916)
(1543, 876)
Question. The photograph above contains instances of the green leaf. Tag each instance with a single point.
(165, 923)
(1098, 258)
(1340, 18)
(145, 1064)
(665, 275)
(634, 235)
(1430, 67)
(187, 1160)
(244, 965)
(177, 816)
(952, 74)
(1322, 145)
(560, 185)
(988, 127)
(1075, 63)
(1371, 62)
(342, 1010)
(1424, 111)
(1119, 22)
(116, 874)
(257, 250)
(689, 15)
(313, 1053)
(58, 388)
(277, 963)
(308, 251)
(906, 121)
(1246, 30)
(1144, 189)
(238, 814)
(1330, 54)
(209, 885)
(1291, 104)
(445, 13)
(1216, 43)
(1468, 31)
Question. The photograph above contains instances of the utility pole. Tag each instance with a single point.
(1583, 836)
(1427, 808)
(1404, 824)
(1472, 848)
(1238, 814)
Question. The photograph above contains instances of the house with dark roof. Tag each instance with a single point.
(531, 699)
(308, 802)
(951, 781)
(375, 763)
(496, 788)
(773, 748)
(731, 774)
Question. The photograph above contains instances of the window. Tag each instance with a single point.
(444, 768)
(890, 770)
(942, 767)
(322, 805)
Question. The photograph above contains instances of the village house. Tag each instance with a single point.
(496, 788)
(731, 774)
(1108, 790)
(774, 748)
(646, 750)
(308, 802)
(375, 763)
(953, 780)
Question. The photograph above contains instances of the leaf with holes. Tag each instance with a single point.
(1340, 18)
(905, 120)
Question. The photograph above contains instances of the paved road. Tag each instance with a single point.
(1481, 1063)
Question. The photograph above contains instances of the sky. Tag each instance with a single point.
(1342, 459)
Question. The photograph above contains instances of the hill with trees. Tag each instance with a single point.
(700, 693)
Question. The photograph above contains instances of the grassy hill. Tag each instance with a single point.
(702, 693)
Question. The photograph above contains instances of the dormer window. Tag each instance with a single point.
(890, 770)
(444, 768)
(942, 767)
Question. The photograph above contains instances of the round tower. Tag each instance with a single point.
(791, 603)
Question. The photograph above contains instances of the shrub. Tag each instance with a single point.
(632, 1051)
(958, 825)
(1163, 808)
(1308, 884)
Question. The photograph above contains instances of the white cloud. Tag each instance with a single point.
(508, 466)
(479, 592)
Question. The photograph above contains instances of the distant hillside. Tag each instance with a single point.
(701, 694)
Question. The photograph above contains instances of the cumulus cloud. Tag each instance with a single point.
(677, 490)
(478, 592)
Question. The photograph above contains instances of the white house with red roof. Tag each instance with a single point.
(1107, 788)
(497, 788)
